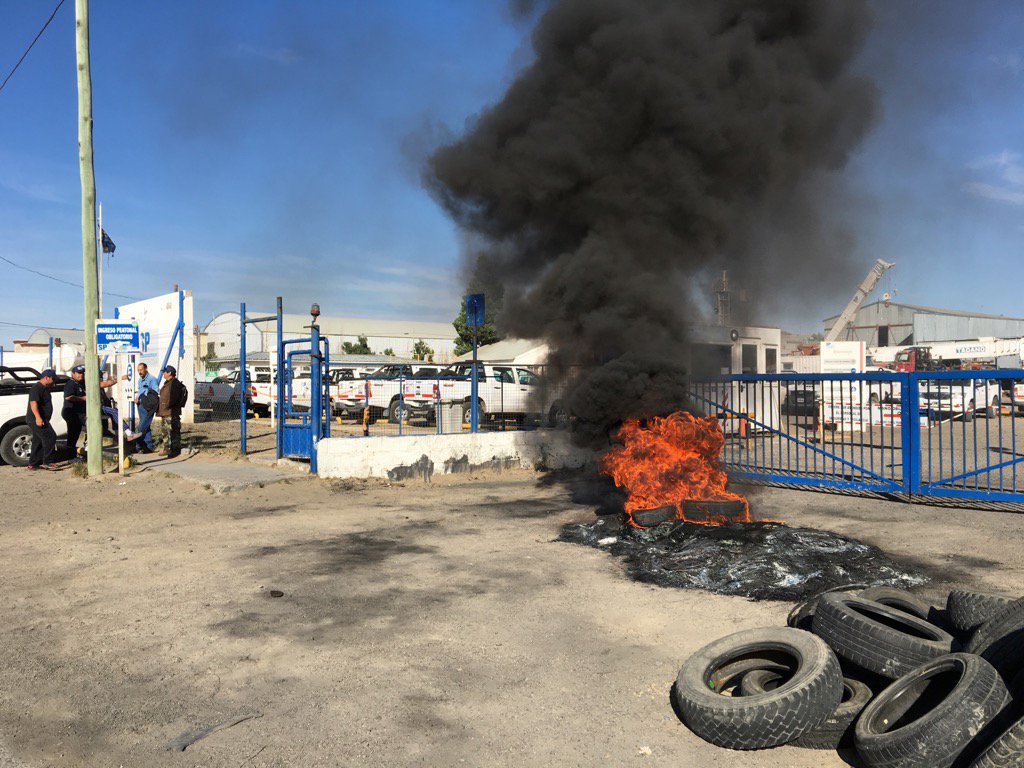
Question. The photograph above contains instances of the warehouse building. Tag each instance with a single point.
(888, 324)
(219, 339)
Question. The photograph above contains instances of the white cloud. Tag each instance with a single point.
(1011, 62)
(991, 192)
(1006, 178)
(282, 56)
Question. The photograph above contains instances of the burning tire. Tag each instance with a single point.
(967, 610)
(879, 638)
(837, 730)
(901, 600)
(928, 717)
(810, 694)
(1005, 752)
(1000, 640)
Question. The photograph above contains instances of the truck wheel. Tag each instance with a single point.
(481, 412)
(393, 411)
(969, 413)
(16, 446)
(558, 417)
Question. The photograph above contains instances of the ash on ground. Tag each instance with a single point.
(762, 561)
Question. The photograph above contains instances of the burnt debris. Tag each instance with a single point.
(762, 561)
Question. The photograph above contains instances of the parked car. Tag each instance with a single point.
(380, 390)
(15, 434)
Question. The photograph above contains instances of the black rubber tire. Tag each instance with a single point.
(967, 610)
(9, 451)
(651, 518)
(930, 716)
(481, 412)
(1007, 751)
(837, 730)
(879, 638)
(969, 413)
(1000, 640)
(393, 411)
(811, 693)
(901, 600)
(802, 614)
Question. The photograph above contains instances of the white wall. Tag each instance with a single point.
(157, 318)
(384, 456)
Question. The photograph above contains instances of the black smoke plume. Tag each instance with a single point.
(649, 142)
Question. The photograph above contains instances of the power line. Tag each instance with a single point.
(62, 280)
(11, 73)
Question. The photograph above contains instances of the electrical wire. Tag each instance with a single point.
(11, 73)
(62, 280)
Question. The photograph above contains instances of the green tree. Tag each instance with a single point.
(422, 351)
(389, 352)
(361, 347)
(485, 334)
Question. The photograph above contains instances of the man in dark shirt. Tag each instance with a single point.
(38, 415)
(73, 411)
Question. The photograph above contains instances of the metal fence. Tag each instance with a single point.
(949, 435)
(508, 397)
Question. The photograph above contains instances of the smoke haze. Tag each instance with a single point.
(649, 143)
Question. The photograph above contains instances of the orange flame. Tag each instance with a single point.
(669, 461)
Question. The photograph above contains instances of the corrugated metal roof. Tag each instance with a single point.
(931, 311)
(66, 335)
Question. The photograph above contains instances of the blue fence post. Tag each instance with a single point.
(50, 364)
(474, 412)
(315, 392)
(401, 401)
(910, 420)
(241, 368)
(279, 380)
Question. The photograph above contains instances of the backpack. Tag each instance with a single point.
(182, 395)
(150, 400)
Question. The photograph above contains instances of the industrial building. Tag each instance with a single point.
(889, 324)
(219, 339)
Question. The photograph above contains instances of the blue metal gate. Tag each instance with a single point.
(940, 435)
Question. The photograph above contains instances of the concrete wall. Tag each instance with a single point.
(422, 456)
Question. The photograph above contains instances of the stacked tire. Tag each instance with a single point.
(896, 680)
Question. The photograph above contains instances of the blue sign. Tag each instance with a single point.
(475, 310)
(117, 336)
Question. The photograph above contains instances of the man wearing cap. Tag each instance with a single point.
(172, 393)
(38, 415)
(146, 392)
(73, 411)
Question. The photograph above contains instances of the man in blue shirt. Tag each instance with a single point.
(147, 398)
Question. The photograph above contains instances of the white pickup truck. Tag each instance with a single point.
(960, 398)
(15, 434)
(503, 391)
(384, 386)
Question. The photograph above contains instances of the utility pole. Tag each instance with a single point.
(93, 422)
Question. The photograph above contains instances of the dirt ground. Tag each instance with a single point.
(420, 625)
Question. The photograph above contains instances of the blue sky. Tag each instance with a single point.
(249, 149)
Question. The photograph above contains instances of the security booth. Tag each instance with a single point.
(742, 407)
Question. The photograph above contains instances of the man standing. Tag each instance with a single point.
(73, 411)
(148, 400)
(172, 398)
(38, 415)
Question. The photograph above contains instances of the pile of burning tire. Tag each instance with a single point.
(903, 683)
